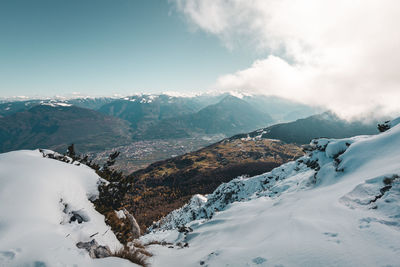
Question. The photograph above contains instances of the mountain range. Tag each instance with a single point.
(337, 205)
(229, 116)
(164, 185)
(134, 118)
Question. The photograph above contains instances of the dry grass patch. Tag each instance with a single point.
(138, 256)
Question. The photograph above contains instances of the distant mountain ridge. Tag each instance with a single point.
(9, 108)
(302, 131)
(138, 109)
(165, 116)
(280, 109)
(46, 126)
(229, 116)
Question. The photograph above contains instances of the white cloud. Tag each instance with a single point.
(341, 54)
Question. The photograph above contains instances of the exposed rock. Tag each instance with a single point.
(135, 225)
(383, 127)
(76, 217)
(185, 229)
(94, 249)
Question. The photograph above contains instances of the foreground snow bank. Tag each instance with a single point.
(45, 211)
(337, 206)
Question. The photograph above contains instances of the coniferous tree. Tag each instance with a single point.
(71, 151)
(111, 158)
(384, 126)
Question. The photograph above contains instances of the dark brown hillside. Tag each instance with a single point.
(167, 185)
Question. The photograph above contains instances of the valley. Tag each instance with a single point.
(166, 185)
(160, 168)
(139, 154)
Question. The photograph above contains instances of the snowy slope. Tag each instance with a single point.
(38, 196)
(337, 206)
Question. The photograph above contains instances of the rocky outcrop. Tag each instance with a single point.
(322, 155)
(383, 127)
(95, 250)
(135, 225)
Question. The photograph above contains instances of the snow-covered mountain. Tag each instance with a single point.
(45, 211)
(337, 206)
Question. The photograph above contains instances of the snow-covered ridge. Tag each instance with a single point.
(53, 103)
(301, 174)
(45, 211)
(133, 96)
(337, 206)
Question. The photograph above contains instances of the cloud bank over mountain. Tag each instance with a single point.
(339, 54)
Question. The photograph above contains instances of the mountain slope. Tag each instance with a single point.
(143, 110)
(337, 206)
(9, 108)
(175, 180)
(90, 103)
(57, 126)
(302, 131)
(40, 198)
(166, 185)
(12, 107)
(280, 109)
(229, 116)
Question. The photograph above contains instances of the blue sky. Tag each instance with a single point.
(100, 47)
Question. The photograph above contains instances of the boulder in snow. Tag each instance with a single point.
(95, 250)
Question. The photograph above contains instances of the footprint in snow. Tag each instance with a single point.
(209, 257)
(331, 234)
(7, 255)
(259, 260)
(332, 237)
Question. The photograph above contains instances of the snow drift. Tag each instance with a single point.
(45, 212)
(337, 206)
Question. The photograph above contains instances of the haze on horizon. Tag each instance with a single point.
(338, 54)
